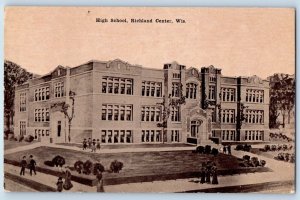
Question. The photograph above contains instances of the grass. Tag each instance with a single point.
(137, 164)
(269, 154)
(10, 144)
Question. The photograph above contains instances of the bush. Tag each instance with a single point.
(49, 163)
(58, 161)
(87, 167)
(247, 147)
(116, 166)
(200, 149)
(254, 161)
(239, 147)
(267, 148)
(273, 147)
(292, 159)
(207, 149)
(29, 138)
(78, 166)
(214, 151)
(97, 168)
(246, 157)
(284, 147)
(262, 163)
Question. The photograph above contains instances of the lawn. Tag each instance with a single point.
(136, 164)
(10, 144)
(269, 154)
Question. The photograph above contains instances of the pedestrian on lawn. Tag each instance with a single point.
(99, 177)
(23, 165)
(32, 165)
(202, 174)
(94, 146)
(207, 174)
(59, 184)
(67, 184)
(214, 172)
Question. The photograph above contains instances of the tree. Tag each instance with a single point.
(282, 98)
(166, 109)
(13, 75)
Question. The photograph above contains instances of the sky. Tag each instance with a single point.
(240, 41)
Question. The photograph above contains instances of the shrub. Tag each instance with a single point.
(87, 167)
(200, 149)
(207, 149)
(273, 147)
(49, 163)
(214, 151)
(246, 157)
(284, 147)
(29, 138)
(262, 163)
(280, 156)
(116, 166)
(247, 147)
(78, 166)
(239, 147)
(97, 168)
(254, 161)
(267, 148)
(58, 161)
(292, 159)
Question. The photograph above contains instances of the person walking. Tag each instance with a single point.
(93, 146)
(202, 174)
(32, 165)
(84, 144)
(229, 149)
(23, 165)
(67, 184)
(98, 144)
(207, 175)
(90, 143)
(214, 175)
(224, 149)
(59, 184)
(99, 177)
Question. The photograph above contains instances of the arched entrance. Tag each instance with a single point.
(195, 127)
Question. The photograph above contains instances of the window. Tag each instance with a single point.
(254, 96)
(191, 90)
(228, 135)
(23, 128)
(212, 78)
(150, 113)
(59, 89)
(38, 133)
(228, 94)
(228, 115)
(254, 116)
(42, 115)
(23, 102)
(212, 92)
(151, 136)
(176, 75)
(175, 89)
(42, 94)
(116, 85)
(175, 114)
(195, 128)
(255, 135)
(115, 112)
(175, 136)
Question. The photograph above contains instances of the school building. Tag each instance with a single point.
(118, 102)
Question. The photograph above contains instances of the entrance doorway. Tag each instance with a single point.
(195, 127)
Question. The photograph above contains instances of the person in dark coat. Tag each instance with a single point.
(32, 165)
(224, 149)
(67, 184)
(59, 184)
(93, 146)
(98, 144)
(84, 144)
(202, 175)
(214, 172)
(229, 149)
(207, 175)
(23, 165)
(100, 187)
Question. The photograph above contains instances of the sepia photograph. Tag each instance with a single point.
(149, 99)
